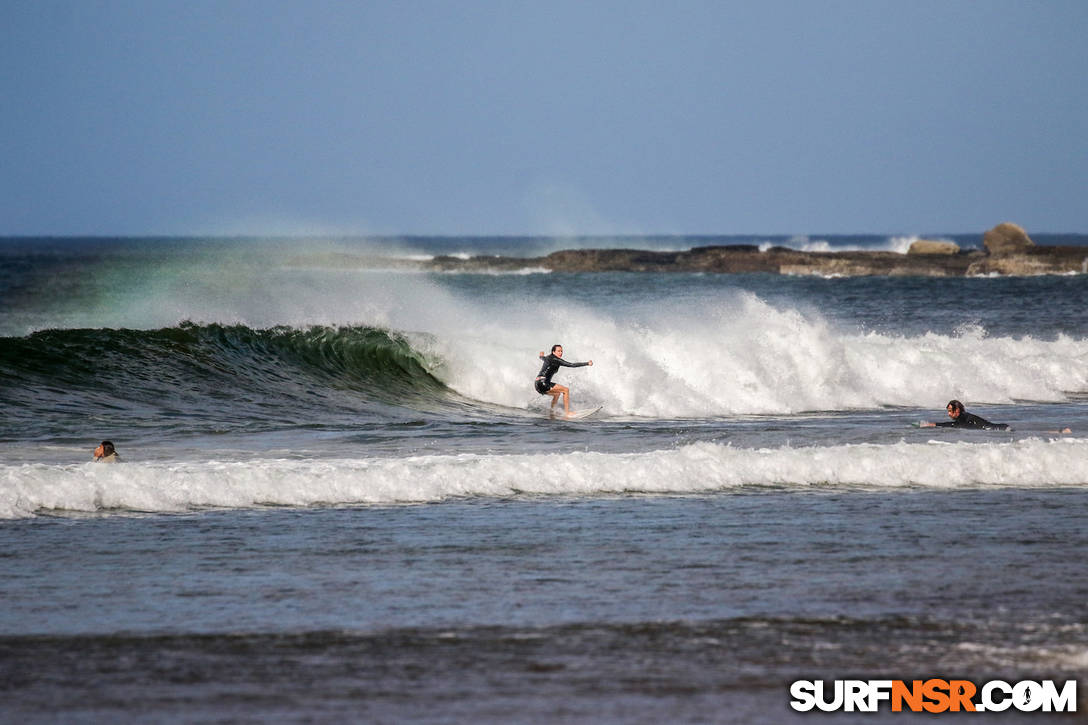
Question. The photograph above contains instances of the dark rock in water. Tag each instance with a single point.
(735, 259)
(1009, 252)
(1007, 238)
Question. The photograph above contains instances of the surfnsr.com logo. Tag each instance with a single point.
(933, 695)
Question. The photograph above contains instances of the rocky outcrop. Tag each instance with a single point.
(1037, 260)
(734, 259)
(929, 246)
(1009, 251)
(1007, 238)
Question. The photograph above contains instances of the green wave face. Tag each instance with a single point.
(229, 375)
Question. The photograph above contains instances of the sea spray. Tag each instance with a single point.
(742, 355)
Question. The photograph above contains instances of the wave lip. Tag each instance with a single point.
(698, 468)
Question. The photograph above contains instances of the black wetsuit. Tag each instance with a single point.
(552, 363)
(970, 420)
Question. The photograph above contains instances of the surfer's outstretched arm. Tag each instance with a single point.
(566, 364)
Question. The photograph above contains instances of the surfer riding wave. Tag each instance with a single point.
(543, 382)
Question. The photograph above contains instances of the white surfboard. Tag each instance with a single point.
(577, 414)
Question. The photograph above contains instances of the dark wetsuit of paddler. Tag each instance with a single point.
(970, 420)
(962, 419)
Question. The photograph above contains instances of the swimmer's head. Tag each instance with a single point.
(955, 409)
(559, 348)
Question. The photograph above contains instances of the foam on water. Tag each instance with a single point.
(899, 245)
(745, 356)
(700, 467)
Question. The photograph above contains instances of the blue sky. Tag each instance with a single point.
(507, 117)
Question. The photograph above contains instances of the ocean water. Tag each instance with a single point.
(341, 499)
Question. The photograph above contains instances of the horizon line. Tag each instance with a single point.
(524, 235)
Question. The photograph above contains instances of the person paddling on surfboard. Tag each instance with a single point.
(543, 382)
(960, 418)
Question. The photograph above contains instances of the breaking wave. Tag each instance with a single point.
(698, 468)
